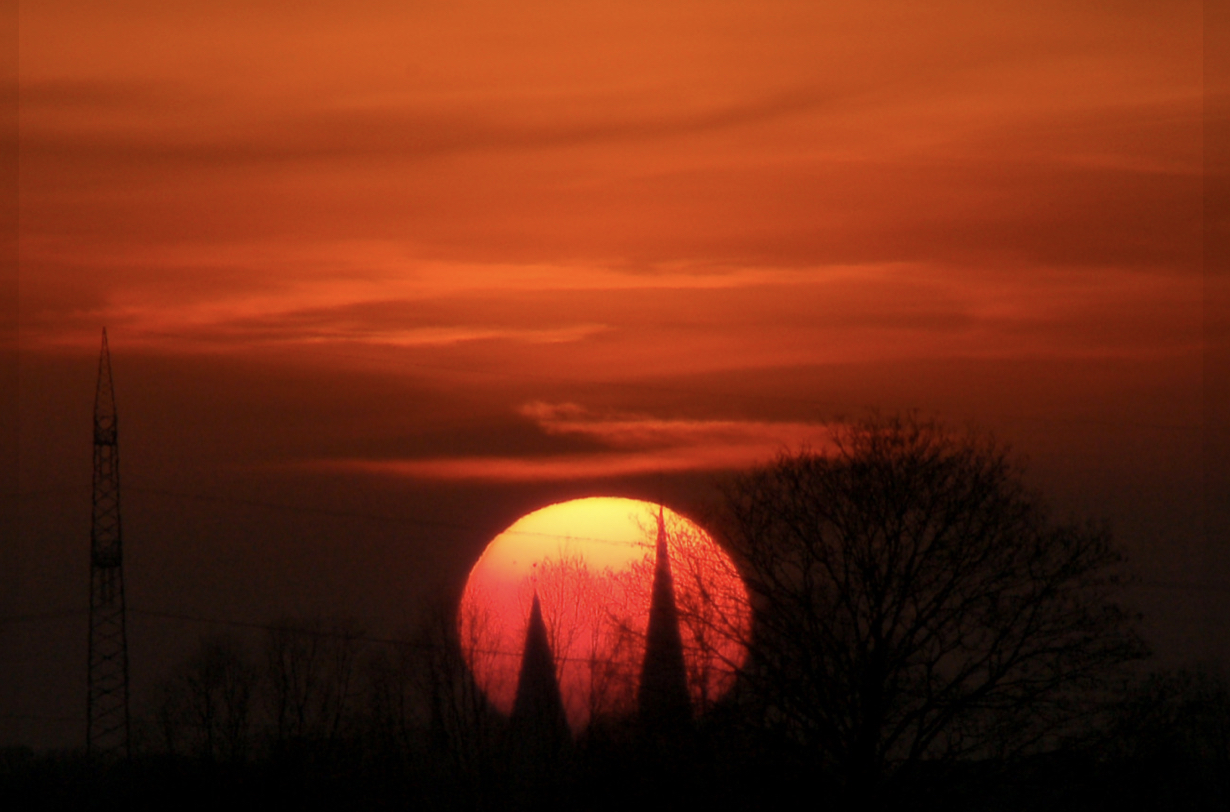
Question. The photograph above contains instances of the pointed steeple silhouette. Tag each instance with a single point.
(539, 742)
(662, 695)
(538, 718)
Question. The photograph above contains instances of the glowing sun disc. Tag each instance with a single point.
(591, 562)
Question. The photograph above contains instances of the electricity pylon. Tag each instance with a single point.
(107, 705)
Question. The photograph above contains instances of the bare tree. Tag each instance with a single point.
(311, 668)
(395, 713)
(1179, 715)
(463, 730)
(914, 601)
(206, 707)
(587, 616)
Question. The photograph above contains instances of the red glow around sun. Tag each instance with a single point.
(591, 562)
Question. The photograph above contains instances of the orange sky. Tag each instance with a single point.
(460, 260)
(612, 191)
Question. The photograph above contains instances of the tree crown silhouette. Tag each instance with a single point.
(914, 600)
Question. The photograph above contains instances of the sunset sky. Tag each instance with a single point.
(381, 277)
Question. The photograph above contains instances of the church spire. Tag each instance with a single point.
(538, 711)
(662, 695)
(538, 737)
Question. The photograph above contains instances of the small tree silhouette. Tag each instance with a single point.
(311, 670)
(914, 602)
(206, 706)
(464, 732)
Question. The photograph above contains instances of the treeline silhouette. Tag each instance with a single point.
(924, 635)
(314, 716)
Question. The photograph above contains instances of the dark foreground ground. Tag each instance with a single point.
(598, 777)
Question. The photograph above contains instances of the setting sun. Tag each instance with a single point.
(591, 563)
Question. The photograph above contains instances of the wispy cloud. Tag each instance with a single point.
(643, 431)
(409, 130)
(639, 444)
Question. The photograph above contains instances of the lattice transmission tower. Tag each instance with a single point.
(107, 705)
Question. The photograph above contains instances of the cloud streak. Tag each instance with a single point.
(639, 444)
(401, 133)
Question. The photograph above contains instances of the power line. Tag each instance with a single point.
(15, 496)
(53, 615)
(64, 613)
(345, 514)
(1181, 585)
(34, 616)
(350, 514)
(38, 717)
(331, 633)
(293, 627)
